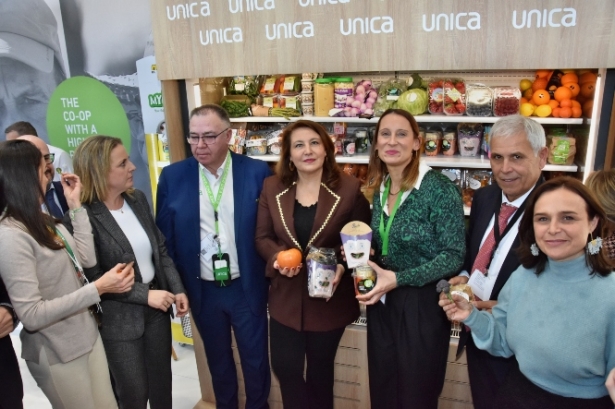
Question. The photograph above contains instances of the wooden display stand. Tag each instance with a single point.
(351, 388)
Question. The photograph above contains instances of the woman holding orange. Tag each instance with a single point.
(306, 204)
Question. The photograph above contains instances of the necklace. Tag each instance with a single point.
(393, 194)
(121, 209)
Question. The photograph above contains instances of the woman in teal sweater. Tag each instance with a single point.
(418, 239)
(555, 313)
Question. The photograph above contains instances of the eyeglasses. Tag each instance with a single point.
(50, 157)
(206, 139)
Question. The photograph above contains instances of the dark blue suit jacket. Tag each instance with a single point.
(59, 191)
(178, 218)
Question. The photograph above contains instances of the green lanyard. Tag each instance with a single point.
(210, 194)
(384, 233)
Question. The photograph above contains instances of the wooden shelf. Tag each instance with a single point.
(419, 119)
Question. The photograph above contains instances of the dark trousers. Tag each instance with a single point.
(11, 386)
(487, 374)
(407, 346)
(290, 349)
(141, 368)
(222, 309)
(518, 392)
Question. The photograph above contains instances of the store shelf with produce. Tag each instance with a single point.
(419, 119)
(439, 161)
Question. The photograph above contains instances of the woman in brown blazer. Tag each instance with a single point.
(306, 204)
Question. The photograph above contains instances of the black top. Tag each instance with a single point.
(304, 220)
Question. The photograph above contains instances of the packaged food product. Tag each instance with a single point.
(455, 175)
(307, 109)
(506, 101)
(256, 143)
(486, 140)
(474, 180)
(290, 84)
(449, 142)
(273, 142)
(349, 145)
(562, 150)
(463, 290)
(271, 85)
(307, 85)
(244, 85)
(364, 279)
(343, 88)
(237, 141)
(351, 169)
(479, 99)
(236, 106)
(308, 76)
(388, 94)
(289, 101)
(307, 97)
(433, 142)
(269, 100)
(469, 136)
(356, 239)
(361, 140)
(454, 96)
(321, 268)
(422, 139)
(436, 96)
(323, 96)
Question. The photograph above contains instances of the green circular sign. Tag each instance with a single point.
(81, 107)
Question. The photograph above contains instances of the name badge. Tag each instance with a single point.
(222, 269)
(480, 285)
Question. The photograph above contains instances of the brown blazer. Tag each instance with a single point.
(289, 302)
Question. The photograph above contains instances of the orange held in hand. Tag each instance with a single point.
(290, 258)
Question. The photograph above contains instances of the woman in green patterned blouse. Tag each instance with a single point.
(419, 238)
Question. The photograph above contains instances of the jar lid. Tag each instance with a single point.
(324, 80)
(343, 79)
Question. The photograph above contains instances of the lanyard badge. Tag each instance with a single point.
(221, 264)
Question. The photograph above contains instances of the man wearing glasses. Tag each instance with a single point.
(60, 159)
(55, 202)
(206, 208)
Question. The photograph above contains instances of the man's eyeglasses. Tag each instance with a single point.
(193, 139)
(50, 157)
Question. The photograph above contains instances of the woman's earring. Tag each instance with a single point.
(291, 166)
(594, 246)
(534, 250)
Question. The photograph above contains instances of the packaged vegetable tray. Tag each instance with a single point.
(454, 96)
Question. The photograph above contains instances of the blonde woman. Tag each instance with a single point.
(136, 329)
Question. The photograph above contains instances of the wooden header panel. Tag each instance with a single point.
(242, 37)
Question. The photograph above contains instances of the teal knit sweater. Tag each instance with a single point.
(427, 237)
(560, 325)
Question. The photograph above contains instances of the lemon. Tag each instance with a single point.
(543, 111)
(525, 84)
(526, 109)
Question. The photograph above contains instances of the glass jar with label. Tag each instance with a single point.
(343, 89)
(323, 96)
(361, 140)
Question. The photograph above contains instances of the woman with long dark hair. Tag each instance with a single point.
(555, 313)
(306, 204)
(42, 267)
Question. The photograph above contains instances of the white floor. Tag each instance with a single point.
(186, 389)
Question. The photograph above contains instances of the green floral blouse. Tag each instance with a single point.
(427, 236)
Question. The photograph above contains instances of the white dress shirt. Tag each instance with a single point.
(62, 163)
(226, 220)
(501, 252)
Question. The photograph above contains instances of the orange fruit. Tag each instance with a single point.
(565, 112)
(523, 100)
(587, 108)
(290, 258)
(562, 93)
(576, 112)
(575, 103)
(540, 83)
(587, 77)
(555, 112)
(527, 94)
(541, 97)
(587, 89)
(574, 88)
(546, 74)
(565, 103)
(553, 104)
(568, 78)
